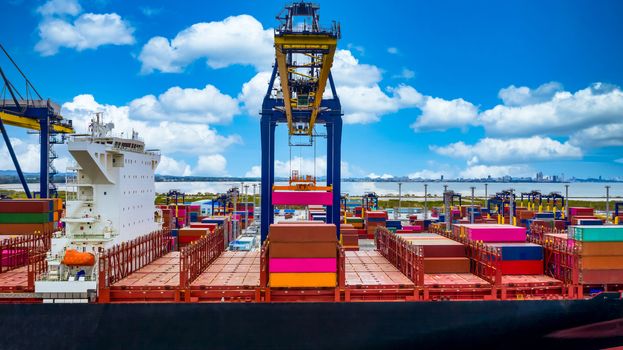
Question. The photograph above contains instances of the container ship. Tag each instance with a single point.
(309, 268)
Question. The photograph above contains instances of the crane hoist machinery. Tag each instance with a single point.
(296, 97)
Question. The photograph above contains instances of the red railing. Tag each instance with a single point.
(485, 262)
(198, 255)
(407, 258)
(19, 251)
(561, 254)
(121, 260)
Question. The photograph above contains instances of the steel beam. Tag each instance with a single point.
(18, 168)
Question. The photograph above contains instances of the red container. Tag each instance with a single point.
(522, 267)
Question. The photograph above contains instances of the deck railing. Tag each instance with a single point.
(406, 257)
(121, 260)
(198, 255)
(16, 252)
(561, 254)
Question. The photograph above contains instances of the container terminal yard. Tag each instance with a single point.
(309, 267)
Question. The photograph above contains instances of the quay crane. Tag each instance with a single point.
(31, 111)
(296, 97)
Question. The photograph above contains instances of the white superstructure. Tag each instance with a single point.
(110, 200)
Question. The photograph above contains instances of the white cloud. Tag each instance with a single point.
(405, 73)
(26, 153)
(235, 40)
(563, 113)
(490, 150)
(483, 171)
(211, 165)
(440, 114)
(207, 105)
(620, 160)
(169, 136)
(392, 50)
(170, 166)
(253, 93)
(89, 31)
(523, 95)
(374, 176)
(60, 7)
(255, 171)
(599, 136)
(429, 174)
(347, 71)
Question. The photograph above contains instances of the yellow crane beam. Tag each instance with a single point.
(32, 124)
(321, 42)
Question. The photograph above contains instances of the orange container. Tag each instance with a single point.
(312, 279)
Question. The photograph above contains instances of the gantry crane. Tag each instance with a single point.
(303, 58)
(32, 112)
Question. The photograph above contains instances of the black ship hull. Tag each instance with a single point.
(570, 324)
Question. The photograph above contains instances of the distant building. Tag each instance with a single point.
(539, 176)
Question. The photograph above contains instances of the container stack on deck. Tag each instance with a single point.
(601, 253)
(349, 237)
(517, 256)
(302, 255)
(374, 219)
(30, 216)
(317, 213)
(441, 254)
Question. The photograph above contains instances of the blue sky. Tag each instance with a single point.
(463, 89)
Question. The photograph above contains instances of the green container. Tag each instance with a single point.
(587, 233)
(354, 220)
(26, 218)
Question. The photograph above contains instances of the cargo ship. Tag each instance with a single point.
(109, 268)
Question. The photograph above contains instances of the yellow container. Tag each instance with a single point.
(310, 279)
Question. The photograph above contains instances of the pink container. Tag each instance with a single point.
(495, 233)
(302, 265)
(302, 198)
(411, 228)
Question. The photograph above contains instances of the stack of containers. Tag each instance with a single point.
(168, 222)
(393, 225)
(410, 229)
(188, 235)
(302, 255)
(601, 253)
(518, 257)
(374, 219)
(317, 213)
(193, 213)
(359, 212)
(349, 237)
(580, 213)
(30, 216)
(224, 222)
(441, 255)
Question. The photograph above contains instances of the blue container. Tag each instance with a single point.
(394, 224)
(174, 232)
(519, 251)
(442, 217)
(194, 217)
(592, 222)
(544, 215)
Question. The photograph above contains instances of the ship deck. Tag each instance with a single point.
(14, 280)
(369, 269)
(162, 273)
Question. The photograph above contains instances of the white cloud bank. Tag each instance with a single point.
(88, 31)
(499, 151)
(235, 40)
(171, 137)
